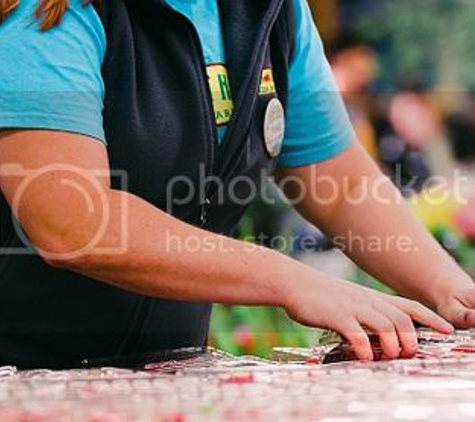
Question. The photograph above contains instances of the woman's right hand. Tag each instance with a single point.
(352, 310)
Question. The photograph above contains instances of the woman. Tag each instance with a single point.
(133, 132)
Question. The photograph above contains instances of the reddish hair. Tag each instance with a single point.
(49, 12)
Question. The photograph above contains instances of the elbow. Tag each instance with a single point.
(76, 264)
(64, 253)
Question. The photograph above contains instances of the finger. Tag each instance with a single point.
(461, 316)
(467, 298)
(358, 339)
(405, 330)
(423, 315)
(384, 328)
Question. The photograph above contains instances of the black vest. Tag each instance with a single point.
(159, 124)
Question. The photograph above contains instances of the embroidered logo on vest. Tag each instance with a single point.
(267, 83)
(220, 87)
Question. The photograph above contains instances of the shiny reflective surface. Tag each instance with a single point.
(438, 386)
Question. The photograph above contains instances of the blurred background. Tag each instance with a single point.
(407, 75)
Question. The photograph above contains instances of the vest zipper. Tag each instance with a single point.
(208, 109)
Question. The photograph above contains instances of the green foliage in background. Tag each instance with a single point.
(429, 41)
(242, 330)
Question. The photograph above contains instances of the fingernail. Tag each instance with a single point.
(368, 358)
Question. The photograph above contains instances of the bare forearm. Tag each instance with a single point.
(228, 271)
(367, 217)
(383, 236)
(60, 193)
(167, 258)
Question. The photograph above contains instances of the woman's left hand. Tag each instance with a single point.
(456, 303)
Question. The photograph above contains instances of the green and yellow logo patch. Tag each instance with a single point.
(267, 86)
(220, 87)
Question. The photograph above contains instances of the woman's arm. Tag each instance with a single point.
(68, 202)
(59, 199)
(357, 206)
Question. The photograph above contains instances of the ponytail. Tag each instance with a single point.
(49, 12)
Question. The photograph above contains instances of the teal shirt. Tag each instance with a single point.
(205, 16)
(53, 80)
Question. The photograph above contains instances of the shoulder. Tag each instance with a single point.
(52, 79)
(80, 31)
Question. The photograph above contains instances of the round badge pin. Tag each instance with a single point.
(274, 127)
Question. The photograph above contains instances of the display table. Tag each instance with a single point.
(439, 385)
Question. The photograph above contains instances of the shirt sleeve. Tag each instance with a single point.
(52, 80)
(317, 123)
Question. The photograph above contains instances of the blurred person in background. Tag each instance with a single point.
(405, 126)
(355, 66)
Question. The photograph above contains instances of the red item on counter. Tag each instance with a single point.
(246, 378)
(177, 417)
(464, 349)
(313, 361)
(344, 352)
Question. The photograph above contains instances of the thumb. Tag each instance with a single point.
(458, 314)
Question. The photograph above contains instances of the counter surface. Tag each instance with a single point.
(438, 385)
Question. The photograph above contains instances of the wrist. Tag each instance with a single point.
(286, 278)
(445, 281)
(297, 280)
(278, 275)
